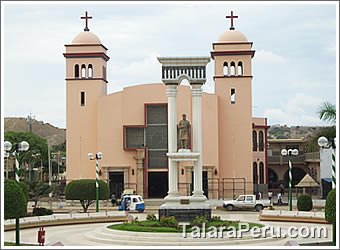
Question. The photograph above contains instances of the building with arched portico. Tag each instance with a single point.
(130, 126)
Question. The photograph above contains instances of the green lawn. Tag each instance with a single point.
(13, 244)
(155, 226)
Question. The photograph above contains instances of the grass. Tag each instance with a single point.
(156, 227)
(13, 244)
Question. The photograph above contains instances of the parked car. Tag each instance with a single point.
(245, 202)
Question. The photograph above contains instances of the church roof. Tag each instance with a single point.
(232, 36)
(307, 181)
(86, 37)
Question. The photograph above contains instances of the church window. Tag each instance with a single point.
(225, 68)
(232, 96)
(261, 173)
(90, 71)
(104, 73)
(76, 71)
(255, 176)
(254, 141)
(134, 137)
(232, 69)
(240, 69)
(83, 71)
(82, 98)
(261, 144)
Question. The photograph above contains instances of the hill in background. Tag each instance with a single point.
(54, 135)
(294, 132)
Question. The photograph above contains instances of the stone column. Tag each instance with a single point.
(140, 171)
(196, 92)
(171, 93)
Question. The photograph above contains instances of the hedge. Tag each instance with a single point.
(15, 202)
(304, 203)
(330, 207)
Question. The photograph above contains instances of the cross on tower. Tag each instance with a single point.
(232, 20)
(86, 17)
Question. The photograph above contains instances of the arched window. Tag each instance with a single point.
(76, 71)
(232, 69)
(225, 69)
(254, 141)
(255, 173)
(239, 69)
(90, 71)
(83, 71)
(261, 144)
(261, 173)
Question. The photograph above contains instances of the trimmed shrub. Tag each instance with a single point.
(216, 219)
(25, 188)
(40, 211)
(198, 221)
(168, 221)
(330, 207)
(15, 201)
(304, 203)
(151, 217)
(85, 191)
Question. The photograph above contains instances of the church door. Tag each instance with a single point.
(159, 184)
(116, 183)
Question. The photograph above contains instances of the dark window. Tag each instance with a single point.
(90, 71)
(254, 141)
(104, 73)
(156, 137)
(225, 69)
(261, 173)
(157, 114)
(83, 71)
(255, 173)
(82, 98)
(134, 137)
(232, 69)
(240, 69)
(233, 96)
(261, 143)
(76, 71)
(157, 159)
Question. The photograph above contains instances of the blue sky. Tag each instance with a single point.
(294, 67)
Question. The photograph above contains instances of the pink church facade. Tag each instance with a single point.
(130, 126)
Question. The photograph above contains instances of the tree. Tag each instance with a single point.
(85, 191)
(15, 201)
(312, 142)
(38, 190)
(327, 112)
(330, 211)
(37, 145)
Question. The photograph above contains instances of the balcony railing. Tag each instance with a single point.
(312, 157)
(284, 159)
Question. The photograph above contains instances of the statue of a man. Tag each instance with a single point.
(183, 129)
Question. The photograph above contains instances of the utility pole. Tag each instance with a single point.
(29, 119)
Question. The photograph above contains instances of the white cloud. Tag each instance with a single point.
(268, 57)
(304, 84)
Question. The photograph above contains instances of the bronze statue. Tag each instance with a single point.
(183, 130)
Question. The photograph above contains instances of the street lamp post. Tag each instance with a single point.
(290, 152)
(6, 154)
(19, 147)
(323, 143)
(97, 157)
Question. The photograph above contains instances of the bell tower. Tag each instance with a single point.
(86, 60)
(232, 54)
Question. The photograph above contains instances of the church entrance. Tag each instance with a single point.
(116, 183)
(157, 184)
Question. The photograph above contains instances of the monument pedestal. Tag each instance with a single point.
(184, 208)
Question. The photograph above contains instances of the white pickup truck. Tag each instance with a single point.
(245, 202)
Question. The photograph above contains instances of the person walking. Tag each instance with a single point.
(282, 189)
(279, 198)
(270, 196)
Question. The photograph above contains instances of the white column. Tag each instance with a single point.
(196, 92)
(171, 93)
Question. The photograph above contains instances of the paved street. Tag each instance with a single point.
(74, 235)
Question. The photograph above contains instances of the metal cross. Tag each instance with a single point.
(86, 17)
(232, 20)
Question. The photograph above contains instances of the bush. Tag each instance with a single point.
(25, 188)
(151, 217)
(15, 201)
(85, 191)
(198, 221)
(40, 211)
(168, 221)
(304, 203)
(330, 207)
(216, 219)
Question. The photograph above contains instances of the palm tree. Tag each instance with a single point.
(327, 112)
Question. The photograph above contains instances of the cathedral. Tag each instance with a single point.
(130, 127)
